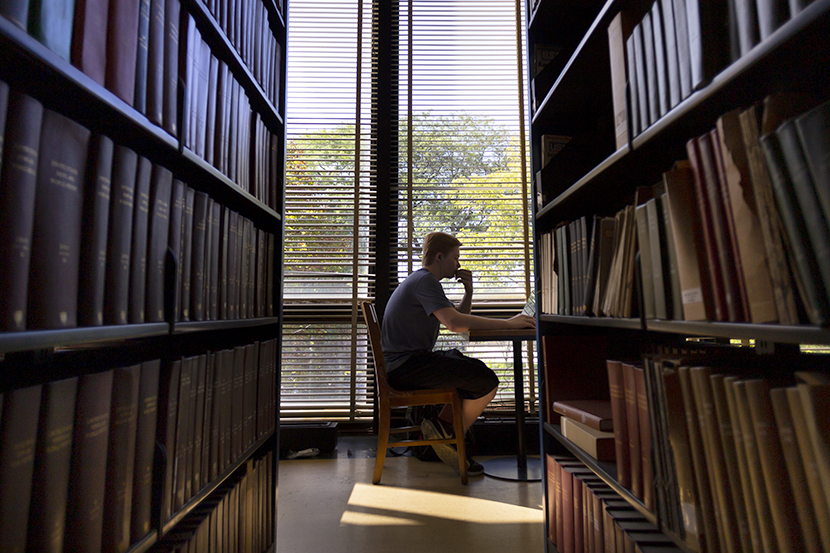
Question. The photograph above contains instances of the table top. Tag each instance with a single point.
(498, 335)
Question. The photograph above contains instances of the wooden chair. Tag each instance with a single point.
(390, 398)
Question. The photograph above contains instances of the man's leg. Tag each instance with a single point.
(470, 410)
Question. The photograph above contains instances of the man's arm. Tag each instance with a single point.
(465, 277)
(457, 322)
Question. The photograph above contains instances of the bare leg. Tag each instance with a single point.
(470, 409)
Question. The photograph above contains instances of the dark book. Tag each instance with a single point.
(88, 462)
(270, 280)
(56, 234)
(220, 117)
(249, 401)
(145, 443)
(650, 54)
(51, 22)
(808, 194)
(93, 262)
(632, 415)
(142, 57)
(197, 270)
(233, 128)
(208, 260)
(620, 420)
(202, 84)
(713, 265)
(118, 503)
(641, 77)
(174, 240)
(237, 402)
(170, 104)
(660, 62)
(156, 32)
(251, 282)
(198, 387)
(210, 121)
(159, 230)
(644, 423)
(17, 206)
(795, 227)
(18, 437)
(747, 19)
(138, 247)
(213, 268)
(4, 110)
(684, 58)
(16, 11)
(261, 252)
(89, 38)
(207, 429)
(119, 235)
(186, 253)
(213, 414)
(187, 62)
(708, 39)
(233, 266)
(183, 434)
(670, 43)
(815, 142)
(226, 406)
(167, 420)
(771, 15)
(122, 48)
(223, 263)
(48, 513)
(87, 479)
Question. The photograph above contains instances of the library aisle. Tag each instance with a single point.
(331, 505)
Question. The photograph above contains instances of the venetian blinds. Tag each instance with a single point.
(329, 199)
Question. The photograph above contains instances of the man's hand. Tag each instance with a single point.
(465, 277)
(521, 321)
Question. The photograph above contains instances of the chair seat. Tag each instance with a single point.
(390, 398)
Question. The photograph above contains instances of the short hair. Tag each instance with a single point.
(435, 243)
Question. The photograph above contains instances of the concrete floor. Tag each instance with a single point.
(330, 505)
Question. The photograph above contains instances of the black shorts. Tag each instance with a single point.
(445, 369)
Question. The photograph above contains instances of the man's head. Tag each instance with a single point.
(440, 253)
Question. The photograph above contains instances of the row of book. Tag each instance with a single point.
(241, 520)
(742, 463)
(246, 24)
(77, 470)
(738, 232)
(220, 126)
(585, 515)
(59, 273)
(676, 47)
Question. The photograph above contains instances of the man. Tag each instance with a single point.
(409, 331)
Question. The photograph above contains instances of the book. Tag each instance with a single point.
(650, 67)
(771, 15)
(618, 410)
(16, 11)
(56, 233)
(590, 412)
(170, 113)
(167, 417)
(815, 402)
(632, 414)
(115, 535)
(596, 443)
(17, 206)
(812, 133)
(87, 477)
(158, 233)
(122, 48)
(51, 22)
(619, 30)
(686, 227)
(197, 271)
(210, 121)
(748, 233)
(646, 269)
(644, 424)
(660, 61)
(747, 22)
(708, 24)
(184, 422)
(186, 254)
(89, 38)
(96, 206)
(214, 266)
(670, 42)
(198, 421)
(142, 55)
(795, 470)
(156, 33)
(641, 78)
(138, 247)
(18, 438)
(174, 242)
(119, 235)
(142, 476)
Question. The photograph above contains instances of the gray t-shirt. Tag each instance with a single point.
(408, 325)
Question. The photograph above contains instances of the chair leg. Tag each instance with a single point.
(384, 422)
(458, 426)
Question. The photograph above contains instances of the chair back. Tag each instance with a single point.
(373, 327)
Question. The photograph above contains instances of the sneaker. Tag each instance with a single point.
(474, 468)
(445, 452)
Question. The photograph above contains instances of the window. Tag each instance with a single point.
(458, 110)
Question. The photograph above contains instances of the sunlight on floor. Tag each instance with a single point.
(395, 503)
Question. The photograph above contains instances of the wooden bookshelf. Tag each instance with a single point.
(580, 103)
(32, 357)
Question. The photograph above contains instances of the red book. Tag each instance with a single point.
(618, 410)
(595, 413)
(645, 438)
(632, 415)
(89, 38)
(122, 48)
(138, 249)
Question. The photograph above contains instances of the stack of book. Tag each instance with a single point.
(589, 425)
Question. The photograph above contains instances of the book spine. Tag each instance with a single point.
(618, 409)
(632, 419)
(142, 58)
(174, 242)
(156, 59)
(197, 271)
(56, 234)
(119, 236)
(142, 477)
(89, 40)
(187, 253)
(172, 9)
(169, 380)
(122, 48)
(160, 202)
(51, 23)
(16, 11)
(138, 247)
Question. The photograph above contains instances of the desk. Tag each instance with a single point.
(519, 467)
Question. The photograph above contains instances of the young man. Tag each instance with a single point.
(415, 311)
